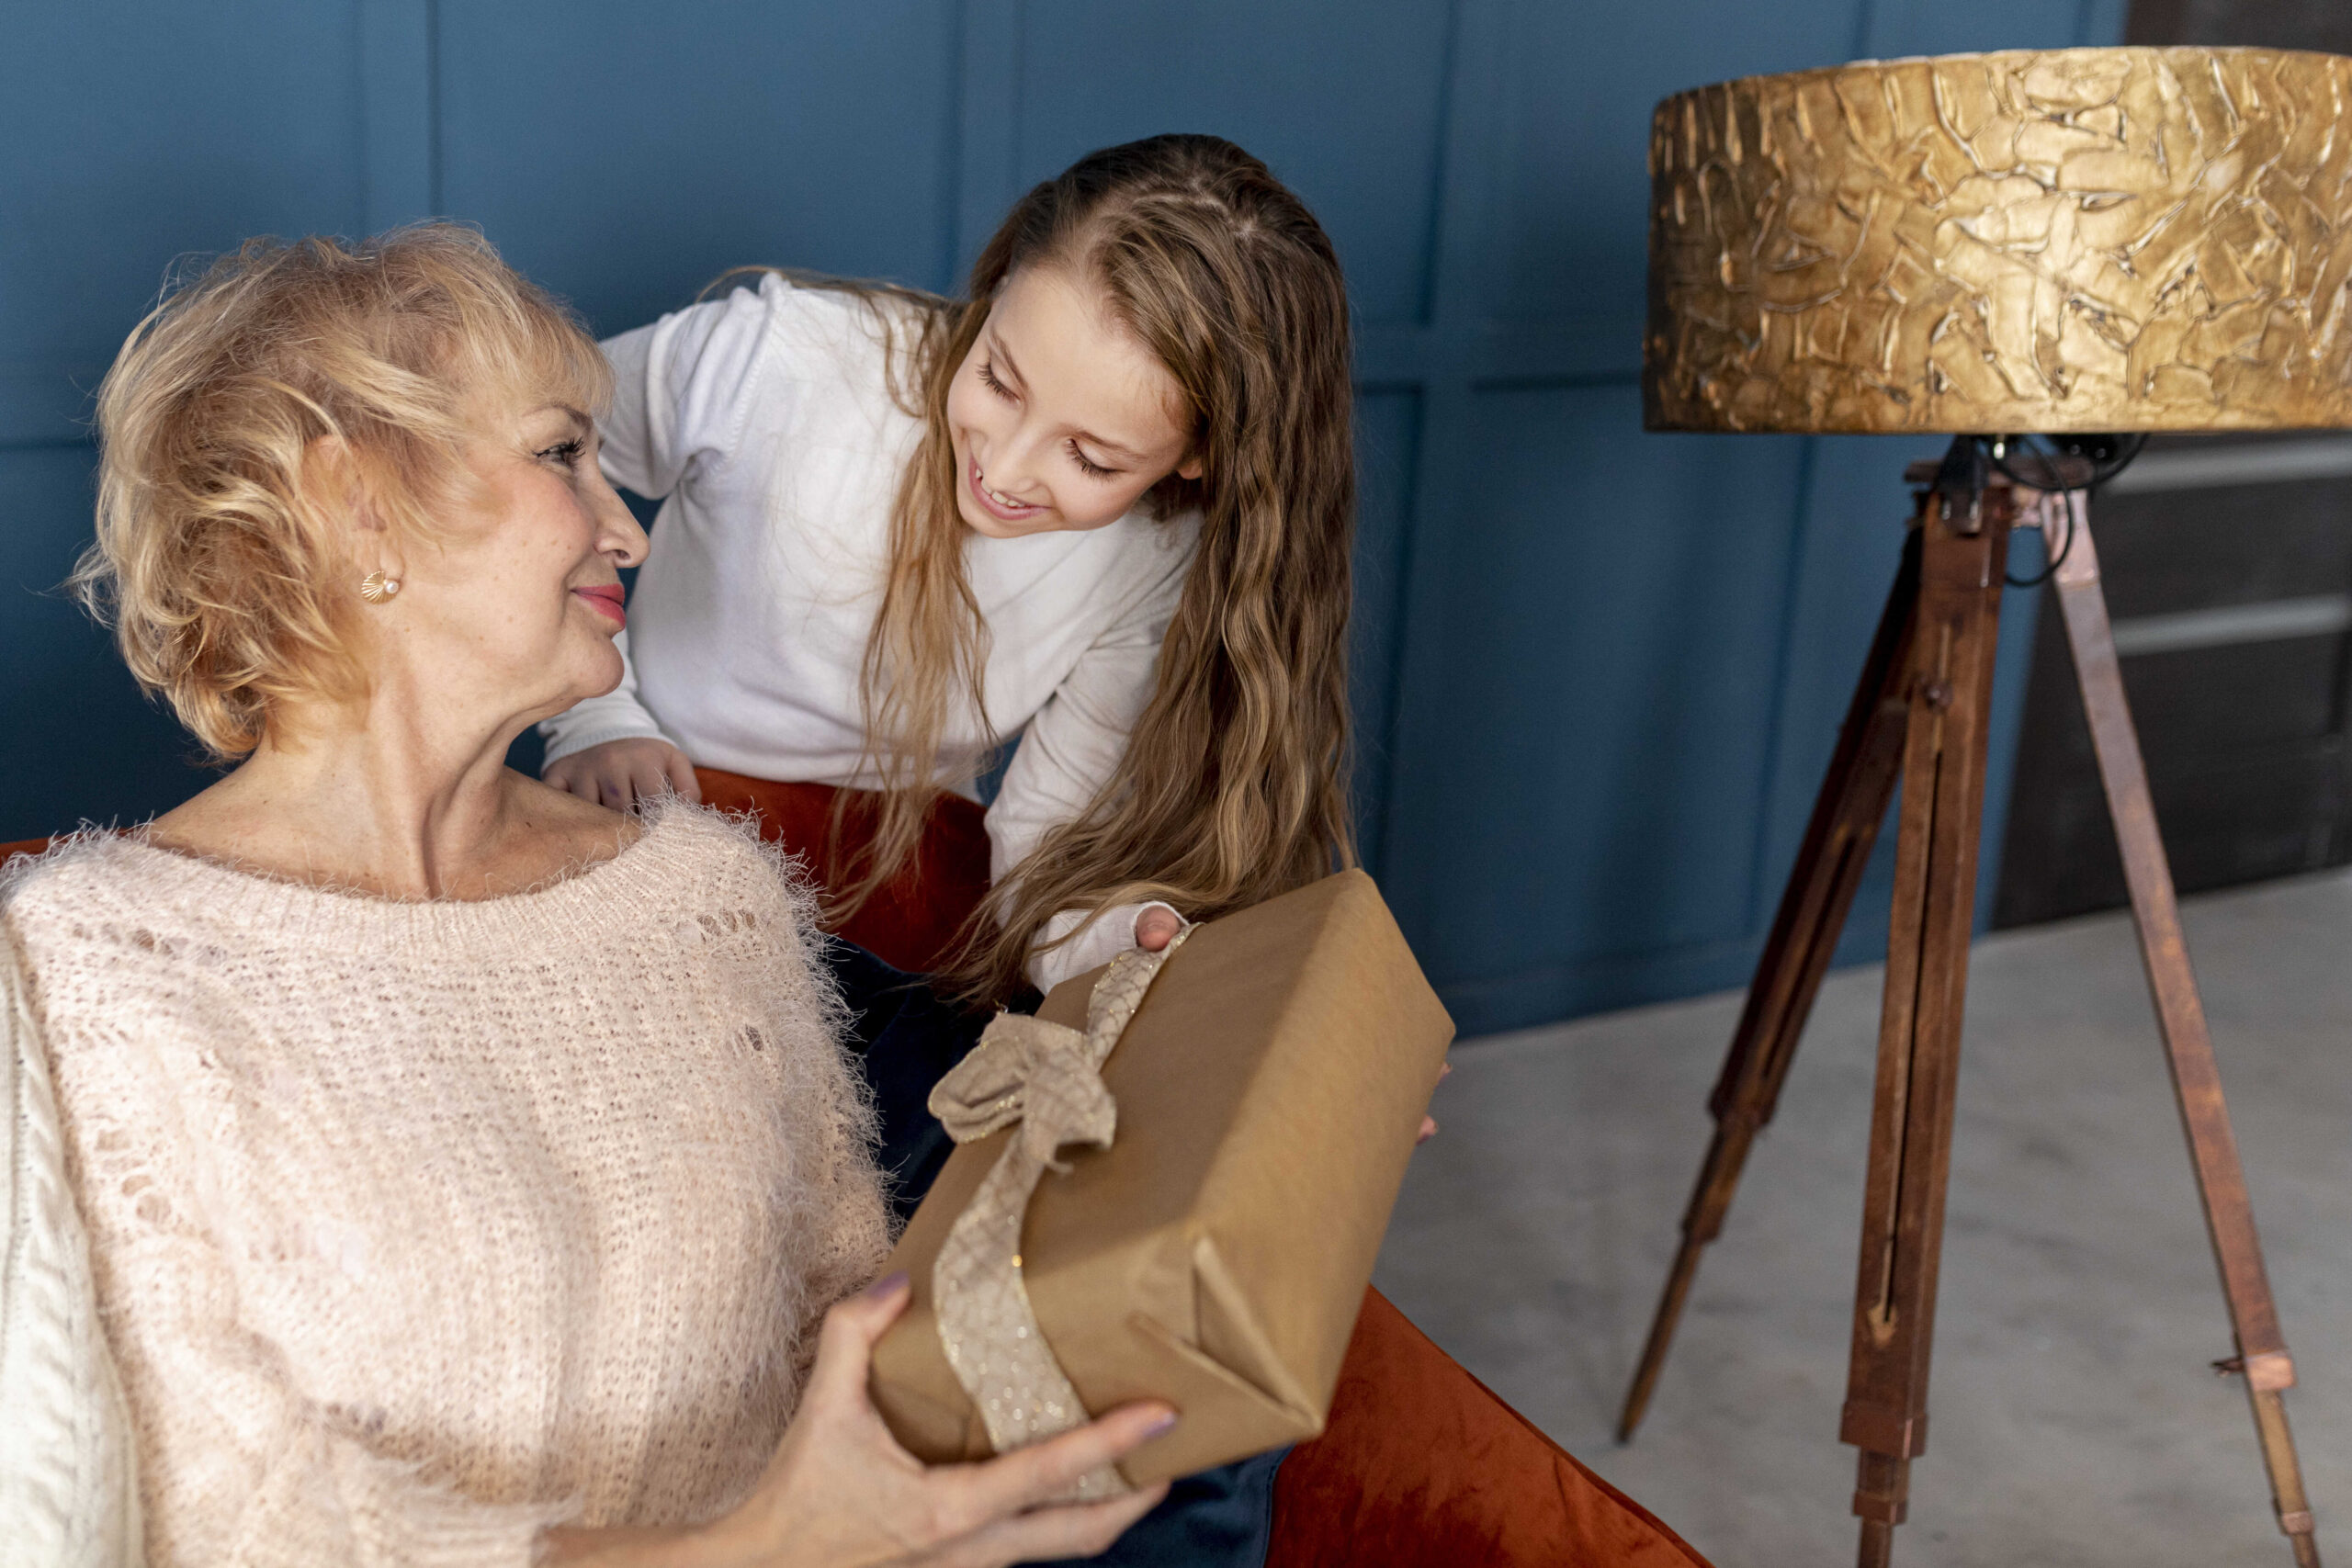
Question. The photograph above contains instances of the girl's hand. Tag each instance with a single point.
(1429, 1124)
(841, 1493)
(1155, 927)
(623, 774)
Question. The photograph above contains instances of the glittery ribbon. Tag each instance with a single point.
(1048, 1078)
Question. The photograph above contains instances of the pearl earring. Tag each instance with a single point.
(375, 587)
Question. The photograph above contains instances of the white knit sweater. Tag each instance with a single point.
(415, 1227)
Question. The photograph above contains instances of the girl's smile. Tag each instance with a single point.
(1003, 508)
(1059, 419)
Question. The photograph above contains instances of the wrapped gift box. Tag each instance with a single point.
(1268, 1090)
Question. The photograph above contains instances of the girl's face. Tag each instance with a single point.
(1059, 419)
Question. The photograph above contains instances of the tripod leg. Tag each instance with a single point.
(1836, 846)
(1950, 690)
(2197, 1084)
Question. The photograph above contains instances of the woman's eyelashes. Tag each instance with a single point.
(988, 379)
(567, 453)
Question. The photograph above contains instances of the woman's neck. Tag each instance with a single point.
(382, 798)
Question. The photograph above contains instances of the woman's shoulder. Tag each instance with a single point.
(85, 871)
(710, 892)
(100, 903)
(713, 859)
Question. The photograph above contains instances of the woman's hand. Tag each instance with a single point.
(623, 774)
(841, 1493)
(841, 1490)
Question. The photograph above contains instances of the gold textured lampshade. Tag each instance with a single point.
(2032, 241)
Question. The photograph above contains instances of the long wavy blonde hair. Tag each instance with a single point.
(1232, 786)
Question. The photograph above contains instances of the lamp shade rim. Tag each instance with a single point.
(2126, 239)
(2111, 50)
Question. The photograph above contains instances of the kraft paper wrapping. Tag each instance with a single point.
(1268, 1090)
(2033, 241)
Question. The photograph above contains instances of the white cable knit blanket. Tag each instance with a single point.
(68, 1494)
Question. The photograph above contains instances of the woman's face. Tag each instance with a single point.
(517, 606)
(1059, 418)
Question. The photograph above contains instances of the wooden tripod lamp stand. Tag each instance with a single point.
(2076, 244)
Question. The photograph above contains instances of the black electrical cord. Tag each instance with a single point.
(2108, 456)
(2051, 559)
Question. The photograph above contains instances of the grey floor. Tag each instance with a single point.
(2075, 1418)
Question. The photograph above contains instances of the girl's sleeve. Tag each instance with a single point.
(1068, 752)
(682, 388)
(248, 1471)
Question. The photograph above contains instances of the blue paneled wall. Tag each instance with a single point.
(1598, 672)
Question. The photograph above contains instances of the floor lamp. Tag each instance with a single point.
(2044, 255)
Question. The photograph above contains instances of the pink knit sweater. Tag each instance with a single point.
(419, 1227)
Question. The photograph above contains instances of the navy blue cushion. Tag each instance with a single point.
(1223, 1517)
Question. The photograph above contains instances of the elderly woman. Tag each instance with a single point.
(469, 1173)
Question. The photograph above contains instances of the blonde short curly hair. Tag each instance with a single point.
(222, 572)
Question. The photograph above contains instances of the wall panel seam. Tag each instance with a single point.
(1477, 65)
(1761, 896)
(1432, 242)
(993, 36)
(399, 111)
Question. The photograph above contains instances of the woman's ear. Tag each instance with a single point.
(336, 490)
(1190, 468)
(333, 483)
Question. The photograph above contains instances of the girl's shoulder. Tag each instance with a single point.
(786, 323)
(772, 364)
(1156, 550)
(837, 305)
(1135, 564)
(823, 326)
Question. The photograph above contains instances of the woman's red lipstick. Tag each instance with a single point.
(608, 599)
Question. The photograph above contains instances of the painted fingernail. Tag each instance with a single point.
(1161, 1426)
(887, 1285)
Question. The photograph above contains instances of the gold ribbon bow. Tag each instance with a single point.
(1048, 1078)
(1028, 1071)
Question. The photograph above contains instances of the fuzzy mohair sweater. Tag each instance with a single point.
(417, 1227)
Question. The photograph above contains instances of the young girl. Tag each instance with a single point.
(1104, 506)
